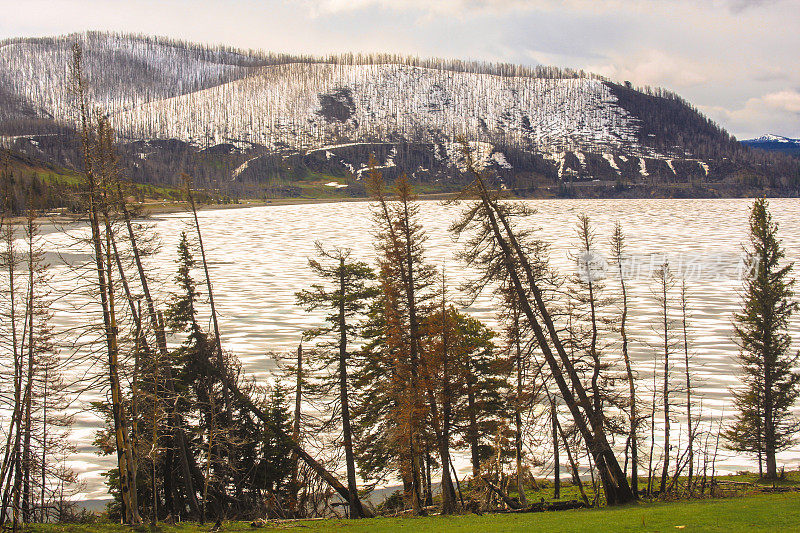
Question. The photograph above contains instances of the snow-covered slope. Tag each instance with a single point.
(155, 89)
(310, 105)
(122, 71)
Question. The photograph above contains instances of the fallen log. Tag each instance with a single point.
(779, 490)
(537, 507)
(508, 500)
(541, 507)
(320, 470)
(566, 505)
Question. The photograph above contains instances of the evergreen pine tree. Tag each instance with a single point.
(181, 314)
(764, 424)
(346, 298)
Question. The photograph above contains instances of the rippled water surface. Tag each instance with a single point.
(258, 260)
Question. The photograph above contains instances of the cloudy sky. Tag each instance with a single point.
(736, 60)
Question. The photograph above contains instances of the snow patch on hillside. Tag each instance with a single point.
(581, 159)
(500, 159)
(241, 168)
(612, 162)
(481, 154)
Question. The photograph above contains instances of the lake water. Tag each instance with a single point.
(258, 260)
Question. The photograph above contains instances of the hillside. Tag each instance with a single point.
(255, 123)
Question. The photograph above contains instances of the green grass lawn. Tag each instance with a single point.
(758, 512)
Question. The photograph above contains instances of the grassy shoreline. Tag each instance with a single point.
(751, 512)
(164, 207)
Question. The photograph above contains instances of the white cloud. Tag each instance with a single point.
(788, 101)
(471, 7)
(655, 67)
(776, 112)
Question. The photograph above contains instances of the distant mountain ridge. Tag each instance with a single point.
(249, 119)
(773, 138)
(775, 143)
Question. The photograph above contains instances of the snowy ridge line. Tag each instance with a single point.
(769, 137)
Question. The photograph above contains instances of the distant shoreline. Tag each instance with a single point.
(162, 208)
(149, 209)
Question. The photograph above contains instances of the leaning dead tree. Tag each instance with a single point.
(495, 246)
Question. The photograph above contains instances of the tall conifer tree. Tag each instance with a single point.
(764, 424)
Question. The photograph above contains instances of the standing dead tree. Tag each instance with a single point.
(11, 261)
(664, 283)
(401, 245)
(98, 170)
(618, 257)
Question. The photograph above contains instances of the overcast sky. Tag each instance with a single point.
(737, 60)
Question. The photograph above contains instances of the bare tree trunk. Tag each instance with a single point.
(43, 466)
(769, 424)
(298, 400)
(617, 244)
(210, 454)
(556, 459)
(585, 235)
(123, 435)
(666, 390)
(27, 461)
(523, 499)
(449, 503)
(154, 439)
(428, 480)
(13, 441)
(215, 322)
(472, 430)
(573, 465)
(759, 435)
(354, 503)
(652, 429)
(689, 419)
